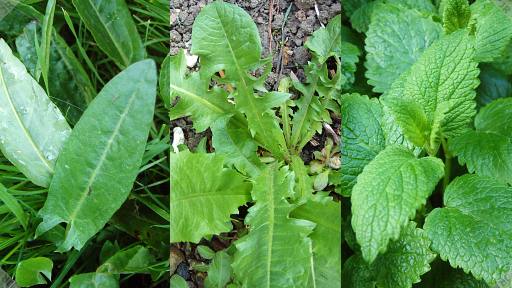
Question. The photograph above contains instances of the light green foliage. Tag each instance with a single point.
(406, 259)
(493, 30)
(488, 149)
(135, 259)
(98, 164)
(32, 129)
(441, 82)
(30, 272)
(164, 79)
(220, 271)
(113, 28)
(473, 230)
(396, 38)
(70, 86)
(203, 201)
(456, 14)
(326, 239)
(93, 280)
(387, 194)
(326, 42)
(276, 242)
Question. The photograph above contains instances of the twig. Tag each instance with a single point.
(329, 130)
(318, 15)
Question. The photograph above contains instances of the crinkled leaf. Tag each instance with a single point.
(32, 129)
(276, 242)
(387, 194)
(488, 149)
(238, 146)
(494, 84)
(112, 26)
(406, 259)
(473, 230)
(135, 259)
(326, 240)
(201, 203)
(98, 164)
(396, 38)
(93, 280)
(236, 49)
(456, 15)
(362, 136)
(493, 30)
(70, 87)
(443, 80)
(220, 271)
(30, 272)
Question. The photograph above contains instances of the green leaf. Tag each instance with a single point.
(178, 282)
(276, 242)
(71, 89)
(326, 239)
(456, 15)
(19, 15)
(220, 271)
(406, 259)
(488, 149)
(203, 201)
(387, 194)
(493, 30)
(98, 164)
(32, 129)
(30, 272)
(326, 42)
(221, 46)
(203, 105)
(396, 38)
(362, 136)
(473, 230)
(12, 204)
(112, 26)
(303, 182)
(135, 259)
(164, 81)
(349, 58)
(93, 280)
(442, 82)
(44, 49)
(494, 84)
(237, 145)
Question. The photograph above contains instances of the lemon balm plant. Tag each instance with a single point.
(290, 236)
(427, 144)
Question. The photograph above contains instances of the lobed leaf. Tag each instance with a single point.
(98, 164)
(30, 272)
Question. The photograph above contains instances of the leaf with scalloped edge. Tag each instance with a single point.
(473, 229)
(387, 194)
(202, 203)
(456, 15)
(396, 38)
(406, 259)
(277, 243)
(488, 149)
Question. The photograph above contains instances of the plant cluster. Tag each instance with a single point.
(427, 143)
(81, 186)
(287, 233)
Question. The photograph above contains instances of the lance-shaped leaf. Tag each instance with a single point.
(276, 242)
(203, 195)
(225, 38)
(32, 129)
(196, 100)
(98, 164)
(326, 240)
(488, 149)
(493, 30)
(387, 194)
(400, 266)
(396, 38)
(69, 85)
(442, 81)
(164, 80)
(473, 230)
(362, 134)
(112, 26)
